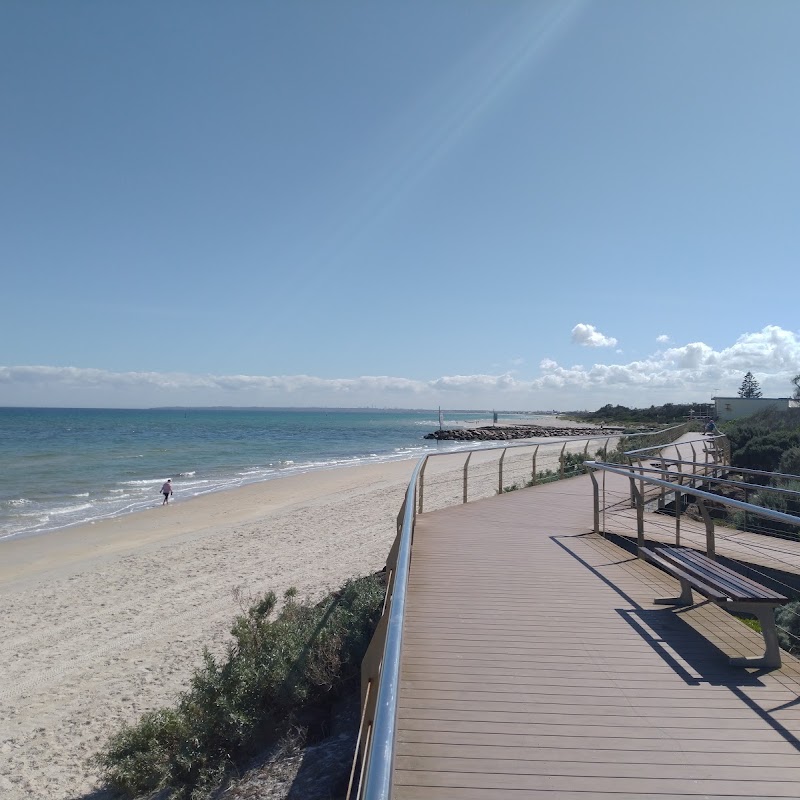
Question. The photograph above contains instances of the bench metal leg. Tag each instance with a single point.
(772, 651)
(684, 599)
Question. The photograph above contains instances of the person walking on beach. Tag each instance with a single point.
(166, 490)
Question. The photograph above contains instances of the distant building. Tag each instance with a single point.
(726, 408)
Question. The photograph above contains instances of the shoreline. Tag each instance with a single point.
(105, 621)
(225, 485)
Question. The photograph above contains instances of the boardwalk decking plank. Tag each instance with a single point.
(535, 664)
(582, 768)
(621, 745)
(657, 756)
(559, 783)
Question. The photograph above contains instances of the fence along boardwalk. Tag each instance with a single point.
(535, 664)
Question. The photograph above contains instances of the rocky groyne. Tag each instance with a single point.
(499, 433)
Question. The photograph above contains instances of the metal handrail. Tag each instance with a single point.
(674, 444)
(505, 445)
(379, 730)
(621, 469)
(378, 771)
(724, 481)
(684, 425)
(635, 474)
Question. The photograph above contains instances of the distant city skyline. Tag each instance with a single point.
(559, 204)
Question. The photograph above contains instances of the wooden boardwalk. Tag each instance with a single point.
(535, 665)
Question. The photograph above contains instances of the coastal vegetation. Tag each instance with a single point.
(572, 465)
(655, 416)
(282, 671)
(787, 621)
(770, 442)
(764, 440)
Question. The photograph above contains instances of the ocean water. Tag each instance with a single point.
(62, 467)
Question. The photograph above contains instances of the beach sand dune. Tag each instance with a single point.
(104, 622)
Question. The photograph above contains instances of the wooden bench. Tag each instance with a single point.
(724, 587)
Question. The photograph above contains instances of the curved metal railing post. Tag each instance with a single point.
(709, 523)
(534, 478)
(500, 472)
(596, 494)
(639, 502)
(422, 482)
(466, 467)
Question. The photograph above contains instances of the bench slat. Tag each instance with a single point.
(727, 588)
(732, 588)
(709, 591)
(736, 586)
(745, 586)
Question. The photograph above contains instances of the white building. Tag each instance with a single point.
(726, 408)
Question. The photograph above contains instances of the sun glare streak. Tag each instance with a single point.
(423, 136)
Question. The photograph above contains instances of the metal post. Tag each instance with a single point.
(421, 483)
(641, 473)
(746, 499)
(466, 465)
(596, 493)
(639, 501)
(710, 549)
(500, 472)
(534, 479)
(561, 461)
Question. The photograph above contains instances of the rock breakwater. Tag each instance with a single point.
(498, 433)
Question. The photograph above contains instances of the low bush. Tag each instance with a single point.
(573, 465)
(787, 619)
(669, 413)
(760, 441)
(275, 670)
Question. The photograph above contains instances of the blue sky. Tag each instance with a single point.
(472, 204)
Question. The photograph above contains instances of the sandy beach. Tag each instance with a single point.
(103, 622)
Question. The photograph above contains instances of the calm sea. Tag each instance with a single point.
(61, 467)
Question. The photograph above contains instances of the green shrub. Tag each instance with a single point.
(787, 618)
(760, 441)
(274, 670)
(789, 463)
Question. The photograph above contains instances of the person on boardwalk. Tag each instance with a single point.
(166, 490)
(711, 427)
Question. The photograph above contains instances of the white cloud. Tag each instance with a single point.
(693, 371)
(663, 339)
(690, 371)
(589, 336)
